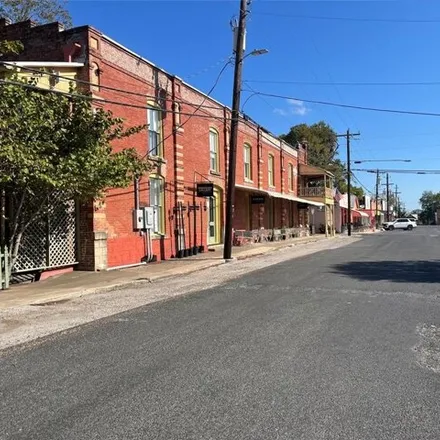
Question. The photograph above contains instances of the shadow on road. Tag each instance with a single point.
(418, 271)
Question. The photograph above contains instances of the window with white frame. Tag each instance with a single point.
(213, 150)
(157, 203)
(291, 177)
(247, 159)
(154, 132)
(176, 107)
(271, 170)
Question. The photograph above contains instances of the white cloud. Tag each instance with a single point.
(280, 111)
(295, 107)
(298, 107)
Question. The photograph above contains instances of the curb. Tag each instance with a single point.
(118, 286)
(148, 280)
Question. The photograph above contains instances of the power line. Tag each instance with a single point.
(103, 87)
(339, 96)
(142, 107)
(346, 83)
(354, 19)
(398, 171)
(207, 69)
(361, 184)
(100, 100)
(357, 107)
(200, 105)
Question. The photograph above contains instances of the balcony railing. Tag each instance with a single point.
(316, 191)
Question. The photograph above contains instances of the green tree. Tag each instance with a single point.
(55, 146)
(39, 11)
(322, 140)
(429, 202)
(322, 151)
(10, 47)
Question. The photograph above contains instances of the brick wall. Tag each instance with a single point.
(106, 233)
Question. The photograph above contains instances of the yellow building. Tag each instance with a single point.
(317, 184)
(59, 76)
(53, 244)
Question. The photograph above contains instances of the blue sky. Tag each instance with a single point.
(192, 39)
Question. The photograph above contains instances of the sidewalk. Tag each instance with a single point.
(77, 284)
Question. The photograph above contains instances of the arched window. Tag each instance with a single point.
(176, 109)
(291, 177)
(95, 78)
(271, 170)
(213, 150)
(247, 160)
(157, 201)
(155, 147)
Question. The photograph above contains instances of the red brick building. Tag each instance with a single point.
(187, 139)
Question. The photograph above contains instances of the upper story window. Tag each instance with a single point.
(155, 147)
(247, 159)
(95, 79)
(213, 150)
(271, 170)
(157, 202)
(291, 177)
(176, 108)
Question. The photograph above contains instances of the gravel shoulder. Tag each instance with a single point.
(19, 325)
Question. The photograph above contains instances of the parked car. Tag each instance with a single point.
(408, 224)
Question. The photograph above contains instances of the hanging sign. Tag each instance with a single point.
(205, 189)
(257, 200)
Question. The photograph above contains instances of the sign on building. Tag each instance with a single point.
(257, 200)
(205, 189)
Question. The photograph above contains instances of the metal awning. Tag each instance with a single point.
(279, 195)
(363, 214)
(309, 170)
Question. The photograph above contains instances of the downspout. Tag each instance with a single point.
(261, 208)
(173, 103)
(226, 151)
(175, 186)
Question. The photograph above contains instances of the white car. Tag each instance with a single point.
(408, 224)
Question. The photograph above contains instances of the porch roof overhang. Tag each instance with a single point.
(278, 195)
(363, 214)
(309, 170)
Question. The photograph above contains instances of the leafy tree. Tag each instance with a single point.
(322, 151)
(55, 146)
(10, 47)
(429, 202)
(322, 140)
(39, 11)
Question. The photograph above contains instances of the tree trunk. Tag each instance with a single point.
(13, 250)
(15, 220)
(2, 218)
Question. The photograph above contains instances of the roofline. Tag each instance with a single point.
(162, 70)
(195, 89)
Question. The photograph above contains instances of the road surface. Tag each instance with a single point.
(341, 344)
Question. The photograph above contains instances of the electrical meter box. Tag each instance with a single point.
(138, 219)
(148, 217)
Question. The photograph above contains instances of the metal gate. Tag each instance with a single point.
(49, 242)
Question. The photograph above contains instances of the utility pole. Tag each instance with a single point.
(388, 197)
(377, 199)
(396, 201)
(239, 50)
(347, 136)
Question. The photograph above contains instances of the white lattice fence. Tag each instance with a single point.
(50, 242)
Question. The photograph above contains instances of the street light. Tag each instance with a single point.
(383, 160)
(257, 52)
(235, 114)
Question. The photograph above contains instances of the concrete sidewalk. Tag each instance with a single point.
(77, 284)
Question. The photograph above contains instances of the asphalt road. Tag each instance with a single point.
(342, 344)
